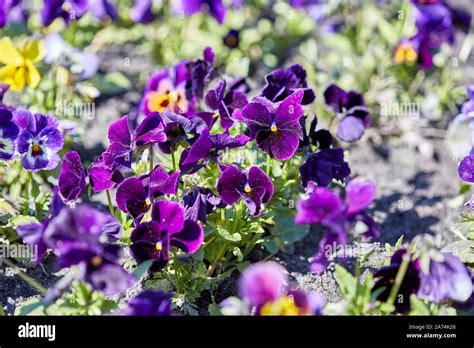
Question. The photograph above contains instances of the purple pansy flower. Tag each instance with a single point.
(200, 202)
(445, 279)
(136, 195)
(80, 236)
(72, 180)
(152, 240)
(414, 50)
(201, 73)
(215, 8)
(207, 148)
(324, 166)
(263, 282)
(326, 208)
(123, 140)
(281, 83)
(321, 139)
(466, 173)
(39, 140)
(141, 12)
(65, 9)
(352, 111)
(226, 100)
(103, 8)
(385, 278)
(33, 234)
(11, 11)
(253, 186)
(178, 128)
(149, 303)
(166, 89)
(231, 39)
(275, 127)
(8, 134)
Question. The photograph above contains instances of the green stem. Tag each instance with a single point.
(173, 160)
(26, 207)
(151, 157)
(109, 200)
(268, 165)
(402, 270)
(26, 277)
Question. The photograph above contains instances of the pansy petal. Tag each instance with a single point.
(359, 195)
(283, 144)
(200, 149)
(230, 180)
(256, 114)
(150, 130)
(190, 238)
(258, 179)
(72, 179)
(170, 216)
(350, 129)
(119, 132)
(290, 110)
(51, 138)
(130, 190)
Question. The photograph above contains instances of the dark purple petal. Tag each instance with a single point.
(32, 234)
(162, 183)
(258, 179)
(141, 11)
(200, 149)
(150, 130)
(290, 111)
(283, 144)
(72, 179)
(149, 303)
(324, 166)
(169, 215)
(132, 197)
(322, 206)
(119, 132)
(230, 182)
(190, 238)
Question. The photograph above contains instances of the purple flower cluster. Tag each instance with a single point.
(324, 207)
(82, 237)
(436, 22)
(445, 278)
(12, 11)
(70, 10)
(264, 288)
(35, 138)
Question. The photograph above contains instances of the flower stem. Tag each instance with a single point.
(26, 277)
(173, 160)
(26, 206)
(151, 157)
(109, 200)
(268, 165)
(402, 270)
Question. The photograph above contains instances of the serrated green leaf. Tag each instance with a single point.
(224, 233)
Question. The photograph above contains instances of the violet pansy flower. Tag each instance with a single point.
(152, 240)
(123, 140)
(324, 207)
(8, 134)
(166, 89)
(324, 166)
(275, 127)
(72, 180)
(178, 129)
(207, 148)
(200, 202)
(39, 140)
(281, 83)
(149, 303)
(66, 9)
(253, 186)
(136, 195)
(352, 112)
(226, 100)
(215, 8)
(141, 12)
(201, 73)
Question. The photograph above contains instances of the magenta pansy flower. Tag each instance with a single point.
(136, 195)
(152, 240)
(275, 127)
(253, 186)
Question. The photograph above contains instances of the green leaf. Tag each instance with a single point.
(19, 220)
(142, 268)
(214, 309)
(464, 249)
(111, 83)
(271, 245)
(346, 281)
(418, 306)
(27, 309)
(224, 233)
(286, 229)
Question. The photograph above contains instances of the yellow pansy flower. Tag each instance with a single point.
(19, 69)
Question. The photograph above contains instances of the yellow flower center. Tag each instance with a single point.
(215, 115)
(159, 246)
(247, 188)
(96, 261)
(273, 128)
(405, 53)
(147, 202)
(283, 306)
(36, 149)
